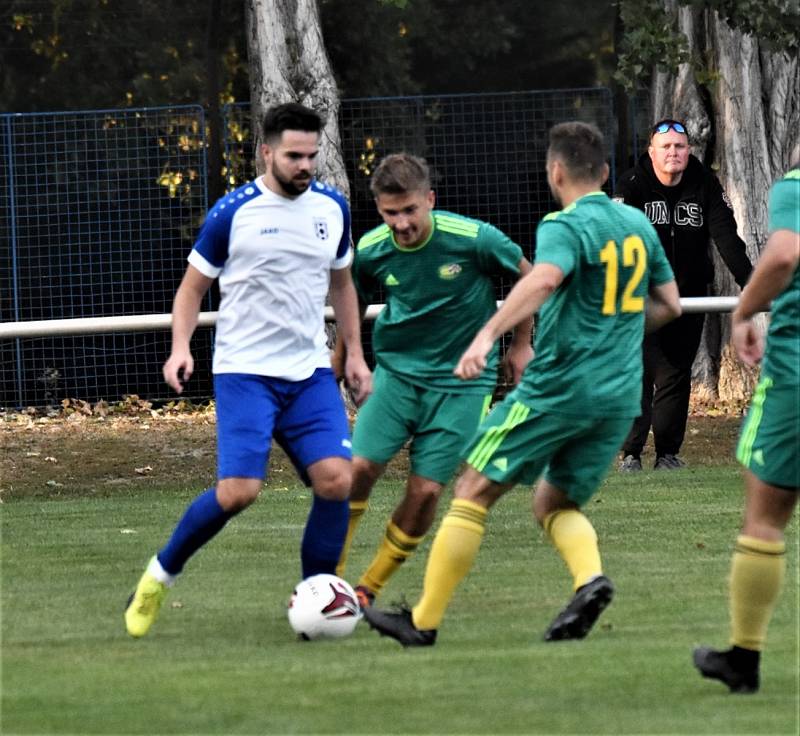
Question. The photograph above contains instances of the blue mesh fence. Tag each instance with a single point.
(487, 151)
(99, 210)
(641, 121)
(98, 213)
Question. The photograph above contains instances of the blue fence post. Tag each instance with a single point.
(13, 249)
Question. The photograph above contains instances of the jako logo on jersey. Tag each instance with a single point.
(449, 271)
(268, 231)
(321, 228)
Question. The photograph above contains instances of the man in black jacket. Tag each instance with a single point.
(687, 205)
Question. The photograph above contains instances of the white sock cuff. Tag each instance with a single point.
(160, 574)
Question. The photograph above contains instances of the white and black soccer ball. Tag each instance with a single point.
(323, 607)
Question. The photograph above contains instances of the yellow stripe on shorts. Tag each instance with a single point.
(494, 436)
(744, 451)
(487, 404)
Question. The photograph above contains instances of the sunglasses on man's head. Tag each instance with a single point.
(670, 125)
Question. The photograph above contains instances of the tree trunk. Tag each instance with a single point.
(743, 109)
(288, 63)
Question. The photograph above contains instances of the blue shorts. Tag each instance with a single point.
(306, 418)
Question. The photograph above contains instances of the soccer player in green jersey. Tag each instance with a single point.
(596, 263)
(436, 269)
(769, 444)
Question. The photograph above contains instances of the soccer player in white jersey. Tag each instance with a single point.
(278, 245)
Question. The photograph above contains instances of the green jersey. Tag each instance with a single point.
(437, 294)
(782, 358)
(588, 351)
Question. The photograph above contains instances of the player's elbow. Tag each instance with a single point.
(550, 280)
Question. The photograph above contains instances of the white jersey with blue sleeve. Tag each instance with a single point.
(273, 256)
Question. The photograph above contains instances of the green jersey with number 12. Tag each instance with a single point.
(588, 349)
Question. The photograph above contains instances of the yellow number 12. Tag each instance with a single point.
(633, 254)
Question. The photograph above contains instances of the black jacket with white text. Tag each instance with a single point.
(685, 217)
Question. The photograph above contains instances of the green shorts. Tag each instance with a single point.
(517, 444)
(769, 443)
(438, 424)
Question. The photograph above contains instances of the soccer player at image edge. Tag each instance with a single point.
(769, 443)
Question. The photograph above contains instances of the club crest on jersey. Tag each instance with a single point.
(449, 271)
(321, 228)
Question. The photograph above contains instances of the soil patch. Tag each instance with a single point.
(85, 450)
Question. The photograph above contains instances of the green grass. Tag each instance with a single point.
(222, 659)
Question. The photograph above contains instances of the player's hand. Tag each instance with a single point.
(359, 379)
(473, 362)
(748, 341)
(178, 369)
(516, 358)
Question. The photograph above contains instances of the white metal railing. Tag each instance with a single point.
(144, 322)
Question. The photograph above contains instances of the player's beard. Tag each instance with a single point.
(292, 187)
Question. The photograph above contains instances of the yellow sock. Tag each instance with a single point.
(757, 571)
(454, 550)
(576, 541)
(357, 509)
(396, 547)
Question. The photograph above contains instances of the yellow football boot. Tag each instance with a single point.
(144, 605)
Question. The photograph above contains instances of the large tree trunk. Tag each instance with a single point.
(288, 63)
(745, 121)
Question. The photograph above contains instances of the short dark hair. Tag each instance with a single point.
(290, 116)
(580, 147)
(399, 173)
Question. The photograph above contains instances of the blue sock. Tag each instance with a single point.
(324, 535)
(200, 522)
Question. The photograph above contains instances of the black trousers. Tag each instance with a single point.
(668, 355)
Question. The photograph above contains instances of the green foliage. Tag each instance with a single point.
(508, 44)
(652, 40)
(79, 54)
(221, 659)
(775, 22)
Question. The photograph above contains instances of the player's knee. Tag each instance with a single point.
(365, 475)
(424, 493)
(333, 485)
(236, 494)
(334, 488)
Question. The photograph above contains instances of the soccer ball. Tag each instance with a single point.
(323, 607)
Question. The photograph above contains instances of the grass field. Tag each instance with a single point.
(222, 659)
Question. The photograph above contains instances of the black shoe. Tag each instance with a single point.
(630, 464)
(668, 462)
(589, 601)
(399, 626)
(721, 666)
